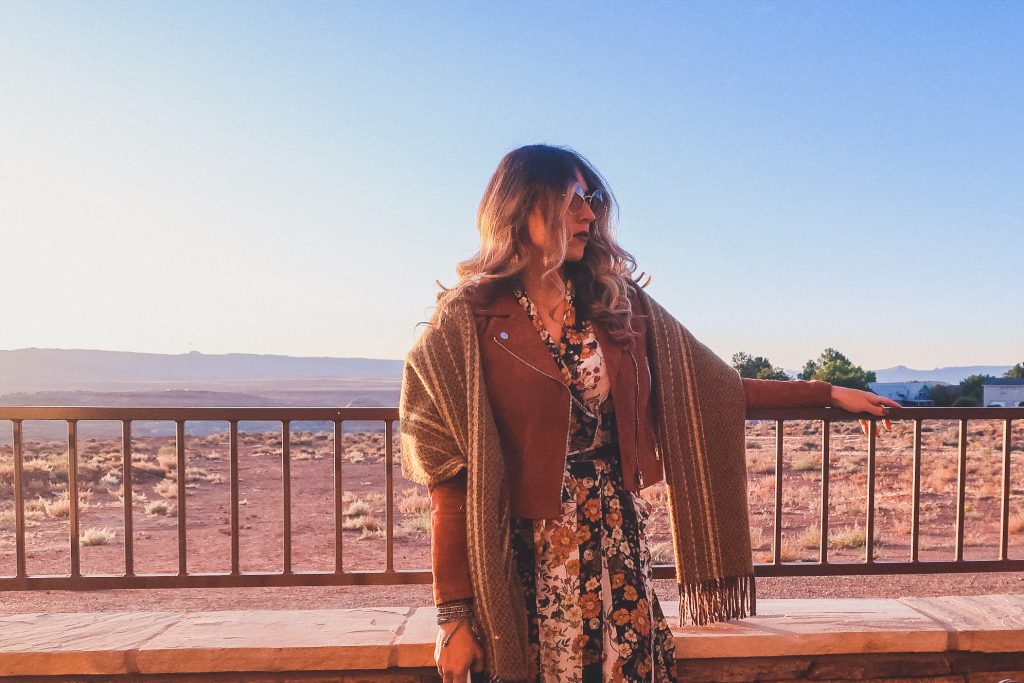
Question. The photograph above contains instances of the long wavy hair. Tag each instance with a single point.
(537, 176)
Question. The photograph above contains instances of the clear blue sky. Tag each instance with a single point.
(292, 177)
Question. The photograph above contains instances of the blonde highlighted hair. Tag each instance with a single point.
(537, 176)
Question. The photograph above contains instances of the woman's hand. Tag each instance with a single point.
(856, 401)
(461, 654)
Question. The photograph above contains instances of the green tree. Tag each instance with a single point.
(835, 368)
(757, 367)
(943, 395)
(1016, 372)
(970, 389)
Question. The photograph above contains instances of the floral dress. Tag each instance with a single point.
(593, 614)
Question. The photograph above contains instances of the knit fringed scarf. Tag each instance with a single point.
(699, 408)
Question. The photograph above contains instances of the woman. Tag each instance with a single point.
(547, 391)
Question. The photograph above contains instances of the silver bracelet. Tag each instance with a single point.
(454, 611)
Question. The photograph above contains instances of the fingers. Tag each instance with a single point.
(864, 425)
(478, 661)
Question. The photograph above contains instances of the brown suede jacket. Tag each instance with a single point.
(530, 402)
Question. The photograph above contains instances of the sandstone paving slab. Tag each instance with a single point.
(415, 645)
(75, 643)
(980, 623)
(279, 640)
(812, 627)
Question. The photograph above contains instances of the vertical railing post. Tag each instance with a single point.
(19, 503)
(915, 513)
(233, 467)
(73, 497)
(286, 476)
(869, 522)
(1004, 513)
(389, 498)
(179, 449)
(777, 540)
(339, 509)
(127, 497)
(825, 465)
(961, 489)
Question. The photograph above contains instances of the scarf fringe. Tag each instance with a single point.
(714, 600)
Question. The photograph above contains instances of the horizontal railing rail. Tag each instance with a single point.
(75, 579)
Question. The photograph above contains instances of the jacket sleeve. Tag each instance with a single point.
(448, 552)
(772, 393)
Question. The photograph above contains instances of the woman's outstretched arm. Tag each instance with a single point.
(770, 393)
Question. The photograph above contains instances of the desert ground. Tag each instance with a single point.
(154, 485)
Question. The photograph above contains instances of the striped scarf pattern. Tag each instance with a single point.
(699, 404)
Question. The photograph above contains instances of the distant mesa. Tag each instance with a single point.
(950, 375)
(34, 370)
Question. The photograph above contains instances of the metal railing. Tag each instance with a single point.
(388, 574)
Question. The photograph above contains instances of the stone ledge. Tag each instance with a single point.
(403, 638)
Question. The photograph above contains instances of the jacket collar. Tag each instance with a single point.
(510, 327)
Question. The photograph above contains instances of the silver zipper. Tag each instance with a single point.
(568, 419)
(636, 415)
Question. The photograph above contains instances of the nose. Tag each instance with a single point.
(586, 213)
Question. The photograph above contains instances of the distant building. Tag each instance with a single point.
(907, 393)
(1004, 392)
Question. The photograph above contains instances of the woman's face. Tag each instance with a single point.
(575, 227)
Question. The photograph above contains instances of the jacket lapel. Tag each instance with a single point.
(511, 328)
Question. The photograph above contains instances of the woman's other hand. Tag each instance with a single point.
(856, 401)
(461, 654)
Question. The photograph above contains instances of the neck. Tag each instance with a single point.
(544, 290)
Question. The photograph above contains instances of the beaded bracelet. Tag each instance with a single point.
(454, 611)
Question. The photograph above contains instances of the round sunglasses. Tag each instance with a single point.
(598, 200)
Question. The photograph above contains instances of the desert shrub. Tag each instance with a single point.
(358, 508)
(806, 463)
(94, 536)
(791, 551)
(363, 523)
(416, 523)
(757, 538)
(662, 552)
(851, 537)
(61, 505)
(413, 502)
(809, 538)
(167, 458)
(158, 507)
(1016, 523)
(7, 519)
(111, 480)
(166, 488)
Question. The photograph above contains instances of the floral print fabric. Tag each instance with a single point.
(593, 613)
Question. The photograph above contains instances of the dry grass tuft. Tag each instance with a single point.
(166, 488)
(851, 537)
(807, 463)
(809, 538)
(413, 502)
(358, 508)
(662, 552)
(158, 507)
(94, 536)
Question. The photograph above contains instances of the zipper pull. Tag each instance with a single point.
(640, 475)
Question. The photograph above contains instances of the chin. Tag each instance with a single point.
(573, 256)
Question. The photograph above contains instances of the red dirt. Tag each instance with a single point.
(261, 518)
